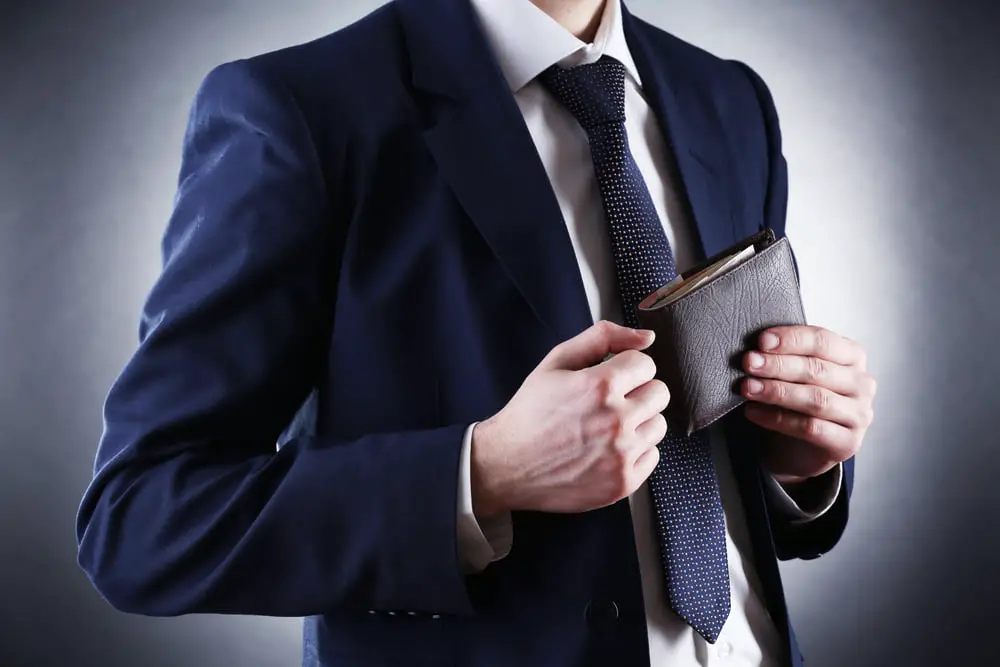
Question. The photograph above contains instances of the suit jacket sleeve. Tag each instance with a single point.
(794, 539)
(192, 508)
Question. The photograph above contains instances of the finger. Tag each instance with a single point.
(645, 465)
(844, 380)
(652, 431)
(646, 401)
(595, 343)
(810, 341)
(834, 438)
(625, 371)
(810, 400)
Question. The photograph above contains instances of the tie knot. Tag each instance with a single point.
(594, 93)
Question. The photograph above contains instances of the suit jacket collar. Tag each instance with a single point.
(688, 118)
(526, 41)
(478, 137)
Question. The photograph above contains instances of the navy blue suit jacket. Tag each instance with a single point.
(364, 237)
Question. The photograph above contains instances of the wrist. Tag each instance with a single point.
(488, 498)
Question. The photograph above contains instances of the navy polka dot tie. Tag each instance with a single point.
(689, 518)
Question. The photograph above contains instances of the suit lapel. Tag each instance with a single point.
(479, 140)
(484, 151)
(685, 114)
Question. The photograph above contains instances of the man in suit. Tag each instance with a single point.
(409, 253)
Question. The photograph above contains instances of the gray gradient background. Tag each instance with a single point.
(890, 113)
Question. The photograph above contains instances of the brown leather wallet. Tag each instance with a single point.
(704, 327)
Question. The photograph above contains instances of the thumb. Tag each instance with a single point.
(592, 345)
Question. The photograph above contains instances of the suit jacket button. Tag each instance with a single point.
(601, 613)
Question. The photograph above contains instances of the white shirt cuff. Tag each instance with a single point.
(479, 542)
(829, 484)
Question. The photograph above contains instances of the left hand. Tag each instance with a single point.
(811, 387)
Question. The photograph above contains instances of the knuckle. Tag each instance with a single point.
(620, 452)
(631, 357)
(648, 365)
(617, 429)
(867, 416)
(816, 369)
(660, 422)
(640, 361)
(604, 327)
(775, 363)
(662, 393)
(822, 340)
(604, 388)
(813, 427)
(654, 458)
(555, 352)
(871, 386)
(652, 431)
(797, 336)
(820, 399)
(777, 390)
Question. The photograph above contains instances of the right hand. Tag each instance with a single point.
(579, 434)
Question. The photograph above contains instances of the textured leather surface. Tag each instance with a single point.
(702, 336)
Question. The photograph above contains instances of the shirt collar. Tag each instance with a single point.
(526, 41)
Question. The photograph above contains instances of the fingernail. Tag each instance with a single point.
(768, 341)
(756, 360)
(647, 333)
(754, 386)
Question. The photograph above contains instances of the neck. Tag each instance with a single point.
(580, 17)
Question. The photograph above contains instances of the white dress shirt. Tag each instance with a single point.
(525, 42)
